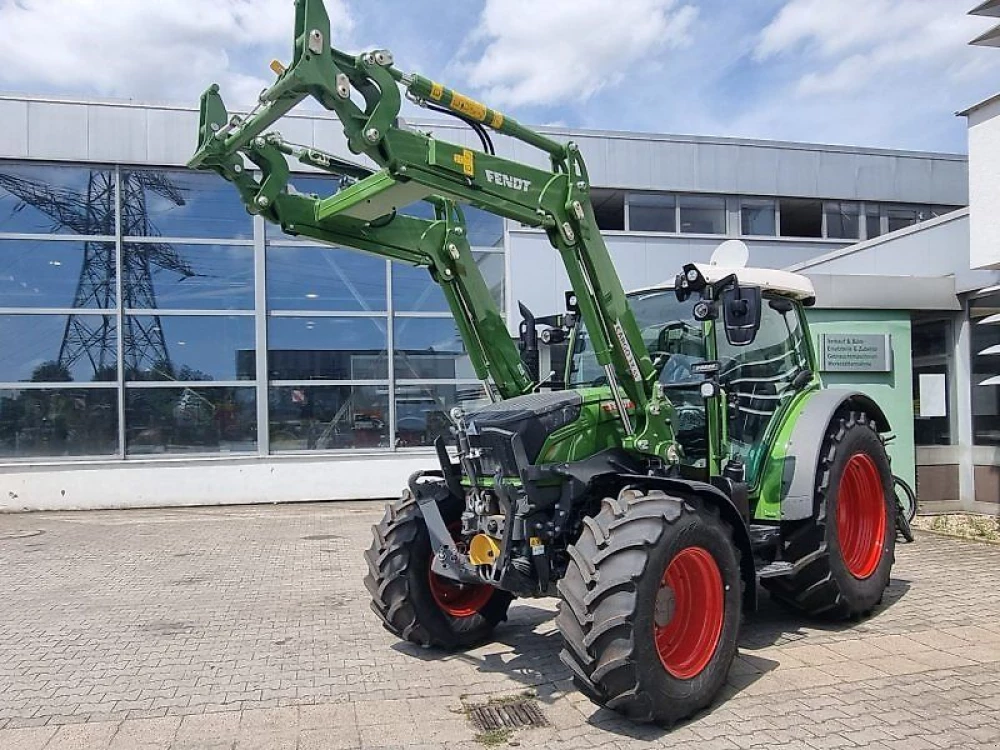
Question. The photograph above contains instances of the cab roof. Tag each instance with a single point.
(785, 283)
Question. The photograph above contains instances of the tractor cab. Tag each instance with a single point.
(759, 355)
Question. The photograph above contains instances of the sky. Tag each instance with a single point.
(884, 73)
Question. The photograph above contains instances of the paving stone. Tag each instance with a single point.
(249, 627)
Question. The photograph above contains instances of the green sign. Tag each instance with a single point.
(856, 352)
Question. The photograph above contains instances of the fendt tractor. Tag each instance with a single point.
(692, 452)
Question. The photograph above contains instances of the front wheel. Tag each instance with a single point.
(650, 609)
(413, 602)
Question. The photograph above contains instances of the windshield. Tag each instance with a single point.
(667, 328)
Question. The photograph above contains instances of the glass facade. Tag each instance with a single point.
(143, 312)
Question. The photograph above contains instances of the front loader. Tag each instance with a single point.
(694, 453)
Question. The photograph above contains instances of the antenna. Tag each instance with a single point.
(730, 254)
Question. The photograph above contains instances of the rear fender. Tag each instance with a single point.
(788, 486)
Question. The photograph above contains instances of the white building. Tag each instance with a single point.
(161, 347)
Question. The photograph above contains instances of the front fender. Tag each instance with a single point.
(789, 482)
(713, 497)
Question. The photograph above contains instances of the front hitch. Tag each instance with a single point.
(446, 560)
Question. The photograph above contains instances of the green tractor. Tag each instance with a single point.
(693, 454)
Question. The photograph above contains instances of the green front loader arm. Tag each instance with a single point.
(415, 166)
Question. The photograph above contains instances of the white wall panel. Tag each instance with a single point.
(141, 484)
(984, 184)
(117, 134)
(57, 131)
(13, 129)
(171, 136)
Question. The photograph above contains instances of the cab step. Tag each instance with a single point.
(776, 569)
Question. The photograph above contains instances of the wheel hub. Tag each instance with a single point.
(454, 598)
(689, 612)
(861, 526)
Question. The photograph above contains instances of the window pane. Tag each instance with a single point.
(801, 218)
(303, 348)
(58, 348)
(609, 208)
(757, 218)
(56, 200)
(842, 220)
(413, 289)
(206, 277)
(430, 348)
(901, 217)
(485, 229)
(873, 221)
(59, 422)
(189, 347)
(422, 411)
(177, 203)
(190, 420)
(930, 338)
(931, 430)
(702, 214)
(36, 273)
(328, 417)
(652, 213)
(324, 278)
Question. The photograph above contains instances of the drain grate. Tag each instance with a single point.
(518, 714)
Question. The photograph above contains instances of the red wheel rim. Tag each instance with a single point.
(454, 598)
(861, 516)
(691, 603)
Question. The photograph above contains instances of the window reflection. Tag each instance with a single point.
(757, 217)
(328, 417)
(178, 203)
(192, 277)
(702, 214)
(321, 348)
(190, 420)
(58, 348)
(413, 289)
(58, 422)
(40, 273)
(430, 348)
(50, 199)
(652, 213)
(324, 278)
(422, 411)
(189, 347)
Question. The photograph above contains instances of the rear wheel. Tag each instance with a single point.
(651, 606)
(414, 602)
(845, 553)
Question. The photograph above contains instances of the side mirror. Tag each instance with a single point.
(741, 314)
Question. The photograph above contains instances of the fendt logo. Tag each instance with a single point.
(507, 181)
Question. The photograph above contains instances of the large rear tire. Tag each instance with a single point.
(413, 602)
(650, 610)
(846, 551)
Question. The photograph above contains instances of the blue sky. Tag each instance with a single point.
(886, 73)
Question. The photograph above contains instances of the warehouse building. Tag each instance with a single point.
(161, 346)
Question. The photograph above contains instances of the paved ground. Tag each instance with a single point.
(250, 628)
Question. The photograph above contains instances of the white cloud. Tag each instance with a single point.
(558, 51)
(850, 43)
(167, 50)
